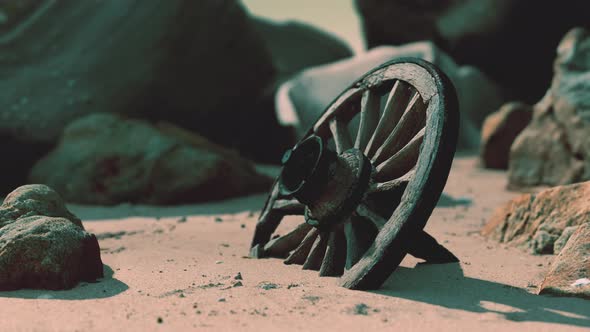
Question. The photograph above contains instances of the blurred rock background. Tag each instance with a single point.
(244, 76)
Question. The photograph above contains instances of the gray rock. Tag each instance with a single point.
(301, 100)
(42, 244)
(34, 200)
(563, 238)
(295, 46)
(105, 159)
(195, 63)
(554, 149)
(500, 37)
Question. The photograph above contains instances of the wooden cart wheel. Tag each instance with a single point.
(367, 177)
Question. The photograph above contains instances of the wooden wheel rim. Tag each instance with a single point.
(430, 172)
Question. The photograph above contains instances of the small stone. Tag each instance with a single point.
(243, 225)
(361, 309)
(221, 300)
(268, 286)
(160, 320)
(182, 220)
(217, 219)
(218, 262)
(238, 284)
(238, 276)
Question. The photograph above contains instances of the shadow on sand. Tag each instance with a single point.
(104, 288)
(446, 286)
(253, 203)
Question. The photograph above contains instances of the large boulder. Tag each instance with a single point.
(301, 100)
(195, 63)
(512, 41)
(105, 159)
(555, 148)
(537, 221)
(42, 244)
(499, 131)
(570, 272)
(295, 46)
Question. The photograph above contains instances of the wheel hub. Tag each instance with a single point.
(330, 185)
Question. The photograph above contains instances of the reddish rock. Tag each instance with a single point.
(500, 129)
(105, 159)
(570, 272)
(536, 221)
(555, 148)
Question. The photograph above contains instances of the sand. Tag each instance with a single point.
(173, 269)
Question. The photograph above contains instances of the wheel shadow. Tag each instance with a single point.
(104, 288)
(445, 285)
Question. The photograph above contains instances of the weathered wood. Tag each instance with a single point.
(335, 258)
(410, 123)
(393, 185)
(341, 136)
(412, 169)
(299, 255)
(359, 237)
(370, 107)
(392, 112)
(317, 253)
(274, 211)
(403, 161)
(283, 245)
(422, 193)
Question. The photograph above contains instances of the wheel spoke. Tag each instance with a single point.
(403, 161)
(392, 112)
(410, 123)
(398, 184)
(317, 253)
(282, 246)
(359, 237)
(341, 135)
(370, 105)
(365, 212)
(335, 258)
(290, 207)
(299, 255)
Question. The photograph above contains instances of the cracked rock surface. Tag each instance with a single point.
(538, 221)
(42, 244)
(555, 147)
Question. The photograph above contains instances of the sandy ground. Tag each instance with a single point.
(167, 272)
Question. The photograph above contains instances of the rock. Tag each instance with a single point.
(301, 100)
(538, 220)
(570, 272)
(42, 244)
(34, 200)
(554, 149)
(563, 238)
(105, 159)
(499, 131)
(194, 63)
(500, 37)
(295, 46)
